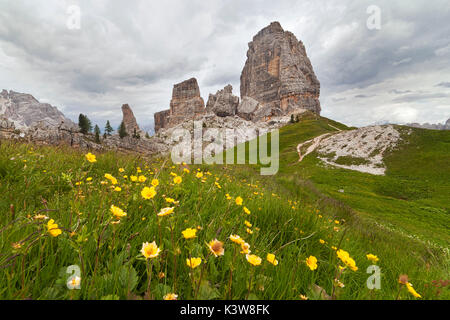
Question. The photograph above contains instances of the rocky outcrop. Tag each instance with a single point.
(247, 108)
(278, 74)
(186, 103)
(362, 149)
(223, 103)
(23, 118)
(26, 112)
(129, 121)
(161, 119)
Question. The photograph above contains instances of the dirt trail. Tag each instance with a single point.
(314, 144)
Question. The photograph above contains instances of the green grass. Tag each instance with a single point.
(290, 213)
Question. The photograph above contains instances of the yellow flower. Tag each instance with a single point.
(150, 250)
(303, 297)
(133, 178)
(111, 178)
(89, 179)
(177, 180)
(118, 189)
(311, 262)
(155, 182)
(216, 247)
(199, 175)
(253, 259)
(193, 262)
(271, 259)
(91, 157)
(53, 229)
(148, 193)
(165, 211)
(245, 248)
(248, 224)
(170, 200)
(345, 258)
(411, 290)
(372, 257)
(321, 241)
(245, 209)
(236, 239)
(142, 179)
(186, 170)
(249, 231)
(228, 196)
(189, 233)
(121, 170)
(170, 296)
(117, 212)
(239, 201)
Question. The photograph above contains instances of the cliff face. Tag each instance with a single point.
(25, 112)
(186, 103)
(161, 119)
(129, 120)
(278, 73)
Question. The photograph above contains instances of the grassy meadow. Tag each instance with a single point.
(145, 228)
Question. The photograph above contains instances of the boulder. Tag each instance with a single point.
(223, 103)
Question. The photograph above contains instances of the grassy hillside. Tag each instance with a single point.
(295, 215)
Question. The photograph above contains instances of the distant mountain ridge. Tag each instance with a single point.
(438, 126)
(26, 112)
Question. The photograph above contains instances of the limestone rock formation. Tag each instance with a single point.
(161, 119)
(278, 74)
(129, 121)
(223, 103)
(186, 102)
(26, 112)
(247, 108)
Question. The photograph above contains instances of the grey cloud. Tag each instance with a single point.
(133, 52)
(443, 84)
(420, 97)
(395, 91)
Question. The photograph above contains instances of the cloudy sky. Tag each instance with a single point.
(134, 51)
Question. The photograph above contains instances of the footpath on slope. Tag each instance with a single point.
(314, 144)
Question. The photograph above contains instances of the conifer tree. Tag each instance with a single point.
(122, 130)
(108, 128)
(97, 134)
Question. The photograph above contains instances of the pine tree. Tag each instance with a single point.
(122, 131)
(84, 123)
(97, 134)
(108, 128)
